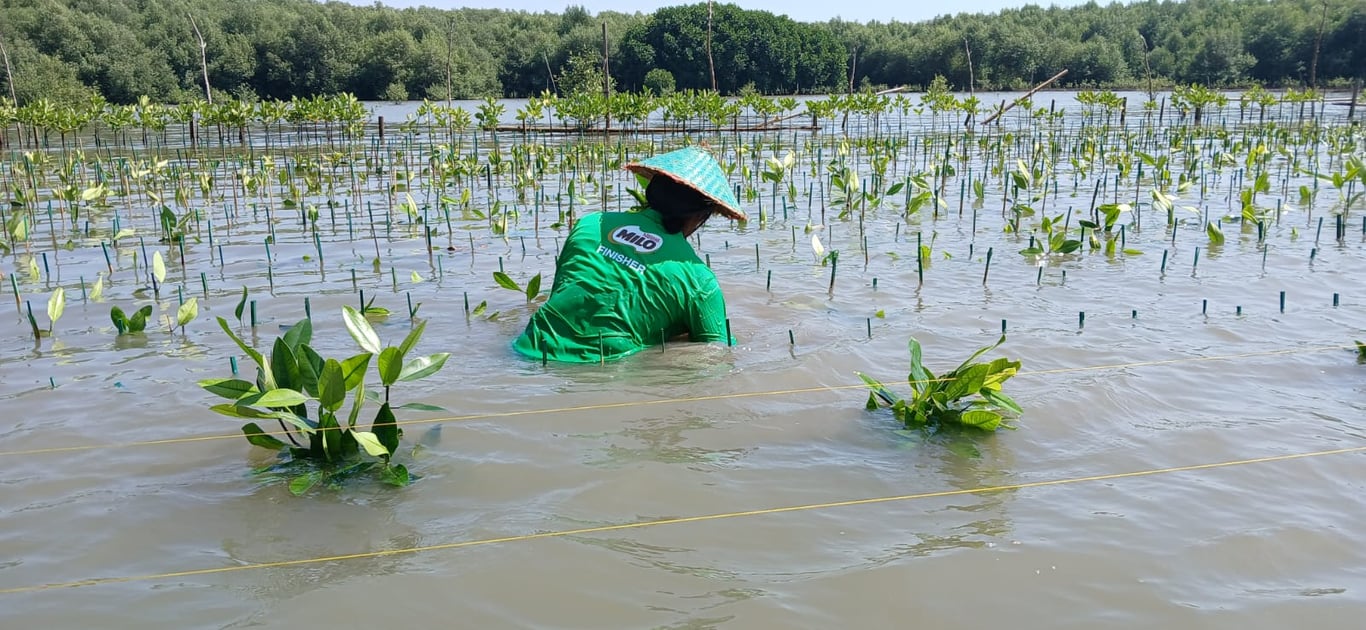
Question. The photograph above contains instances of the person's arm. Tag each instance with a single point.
(574, 234)
(559, 264)
(708, 316)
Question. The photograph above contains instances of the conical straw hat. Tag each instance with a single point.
(695, 169)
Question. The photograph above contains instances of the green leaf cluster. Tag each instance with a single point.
(969, 395)
(306, 395)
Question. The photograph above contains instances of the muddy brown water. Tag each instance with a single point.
(1147, 383)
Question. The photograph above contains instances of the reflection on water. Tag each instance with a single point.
(663, 440)
(700, 623)
(674, 365)
(270, 526)
(657, 557)
(784, 548)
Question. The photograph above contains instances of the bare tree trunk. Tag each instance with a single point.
(1352, 107)
(1318, 42)
(1147, 68)
(9, 74)
(450, 45)
(853, 69)
(9, 80)
(554, 89)
(203, 59)
(972, 81)
(711, 64)
(1028, 94)
(606, 83)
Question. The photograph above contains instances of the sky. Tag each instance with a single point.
(804, 11)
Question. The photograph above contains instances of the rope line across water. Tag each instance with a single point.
(673, 521)
(668, 401)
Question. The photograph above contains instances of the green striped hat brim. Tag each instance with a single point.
(695, 169)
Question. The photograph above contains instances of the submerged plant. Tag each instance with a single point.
(969, 395)
(305, 393)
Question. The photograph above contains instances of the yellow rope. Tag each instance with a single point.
(669, 401)
(671, 521)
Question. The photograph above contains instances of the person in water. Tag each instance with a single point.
(625, 281)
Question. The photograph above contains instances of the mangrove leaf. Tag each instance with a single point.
(257, 437)
(422, 367)
(360, 330)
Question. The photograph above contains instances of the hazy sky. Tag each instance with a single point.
(803, 11)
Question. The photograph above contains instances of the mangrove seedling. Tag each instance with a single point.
(56, 305)
(305, 394)
(969, 395)
(130, 325)
(372, 312)
(241, 304)
(187, 313)
(97, 291)
(1354, 168)
(1053, 240)
(1216, 235)
(158, 272)
(533, 286)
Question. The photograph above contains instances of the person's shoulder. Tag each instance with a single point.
(592, 218)
(588, 225)
(687, 264)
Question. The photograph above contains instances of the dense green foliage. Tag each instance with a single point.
(121, 49)
(774, 53)
(306, 393)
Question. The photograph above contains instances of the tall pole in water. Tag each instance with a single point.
(606, 82)
(711, 64)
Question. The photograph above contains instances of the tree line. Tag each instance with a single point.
(119, 50)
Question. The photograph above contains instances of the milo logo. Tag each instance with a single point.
(635, 238)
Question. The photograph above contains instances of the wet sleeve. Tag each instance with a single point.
(569, 243)
(708, 315)
(559, 265)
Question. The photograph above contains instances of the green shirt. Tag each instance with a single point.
(622, 284)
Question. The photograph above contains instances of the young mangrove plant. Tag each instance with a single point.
(1353, 168)
(1102, 228)
(56, 305)
(185, 314)
(371, 312)
(1053, 240)
(969, 395)
(127, 325)
(305, 394)
(532, 290)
